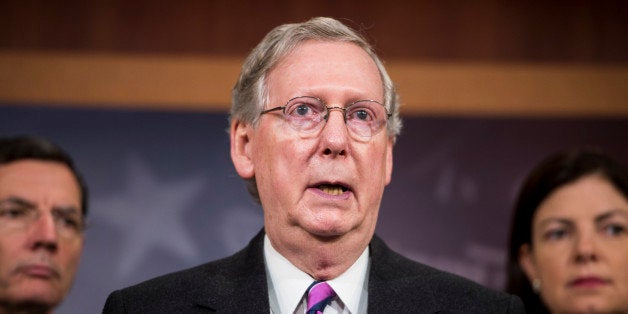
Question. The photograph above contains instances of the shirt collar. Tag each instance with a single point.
(290, 283)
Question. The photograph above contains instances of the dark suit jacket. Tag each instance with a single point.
(237, 284)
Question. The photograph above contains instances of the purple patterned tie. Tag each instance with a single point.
(319, 295)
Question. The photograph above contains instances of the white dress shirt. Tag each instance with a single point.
(287, 285)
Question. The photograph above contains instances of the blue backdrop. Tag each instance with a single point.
(164, 195)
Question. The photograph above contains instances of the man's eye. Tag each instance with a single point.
(69, 221)
(13, 212)
(302, 110)
(361, 114)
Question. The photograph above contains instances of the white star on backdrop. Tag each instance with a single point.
(149, 212)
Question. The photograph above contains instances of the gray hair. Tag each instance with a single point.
(250, 94)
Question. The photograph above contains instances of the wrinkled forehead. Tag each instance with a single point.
(326, 65)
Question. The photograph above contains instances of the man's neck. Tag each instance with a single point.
(287, 283)
(321, 258)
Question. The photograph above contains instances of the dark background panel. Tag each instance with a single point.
(164, 195)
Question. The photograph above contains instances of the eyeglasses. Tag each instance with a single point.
(18, 214)
(305, 114)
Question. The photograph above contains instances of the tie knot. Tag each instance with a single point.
(319, 295)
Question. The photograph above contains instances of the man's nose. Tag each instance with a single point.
(43, 233)
(336, 120)
(335, 133)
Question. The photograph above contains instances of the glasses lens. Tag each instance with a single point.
(366, 118)
(305, 113)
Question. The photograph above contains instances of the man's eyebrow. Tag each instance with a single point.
(609, 214)
(67, 209)
(17, 201)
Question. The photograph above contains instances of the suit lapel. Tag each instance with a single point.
(241, 284)
(391, 288)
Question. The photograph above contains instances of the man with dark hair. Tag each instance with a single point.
(43, 204)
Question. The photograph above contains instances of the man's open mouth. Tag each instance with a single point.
(333, 189)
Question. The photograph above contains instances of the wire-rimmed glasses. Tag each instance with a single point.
(305, 114)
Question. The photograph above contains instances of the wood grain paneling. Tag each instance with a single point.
(487, 30)
(204, 83)
(562, 57)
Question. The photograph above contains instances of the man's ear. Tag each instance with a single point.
(527, 263)
(240, 135)
(389, 160)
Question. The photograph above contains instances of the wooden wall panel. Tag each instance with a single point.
(563, 57)
(204, 83)
(491, 30)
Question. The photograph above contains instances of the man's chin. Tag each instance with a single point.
(326, 236)
(36, 295)
(328, 232)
